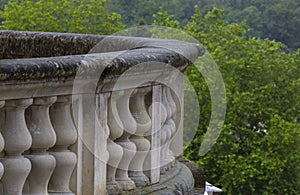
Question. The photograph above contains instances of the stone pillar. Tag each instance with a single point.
(66, 135)
(140, 114)
(17, 140)
(43, 137)
(90, 117)
(100, 145)
(158, 116)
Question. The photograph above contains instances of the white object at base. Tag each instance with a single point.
(210, 189)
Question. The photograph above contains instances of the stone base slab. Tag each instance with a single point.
(178, 180)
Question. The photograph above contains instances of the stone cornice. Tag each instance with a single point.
(35, 56)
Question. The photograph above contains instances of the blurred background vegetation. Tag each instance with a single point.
(273, 19)
(256, 46)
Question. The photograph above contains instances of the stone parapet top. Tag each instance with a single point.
(36, 55)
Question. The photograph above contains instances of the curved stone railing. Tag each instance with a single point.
(85, 114)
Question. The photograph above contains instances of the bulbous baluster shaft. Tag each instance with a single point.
(139, 112)
(17, 140)
(43, 137)
(66, 135)
(171, 124)
(129, 149)
(115, 151)
(168, 130)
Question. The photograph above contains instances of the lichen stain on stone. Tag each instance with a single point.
(100, 188)
(34, 55)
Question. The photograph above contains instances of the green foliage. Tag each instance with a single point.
(137, 12)
(273, 19)
(164, 19)
(2, 4)
(87, 16)
(258, 149)
(276, 19)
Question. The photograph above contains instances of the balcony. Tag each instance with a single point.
(86, 114)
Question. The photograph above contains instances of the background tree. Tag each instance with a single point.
(278, 20)
(84, 16)
(136, 12)
(2, 4)
(256, 152)
(273, 19)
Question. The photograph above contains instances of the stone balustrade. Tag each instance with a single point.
(86, 114)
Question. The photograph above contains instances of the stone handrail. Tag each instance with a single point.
(86, 114)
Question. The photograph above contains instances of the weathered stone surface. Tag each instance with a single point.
(44, 49)
(67, 66)
(38, 65)
(198, 174)
(19, 44)
(178, 180)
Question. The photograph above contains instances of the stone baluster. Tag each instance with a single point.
(164, 133)
(17, 140)
(1, 145)
(43, 137)
(115, 151)
(139, 112)
(66, 135)
(167, 130)
(171, 124)
(128, 124)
